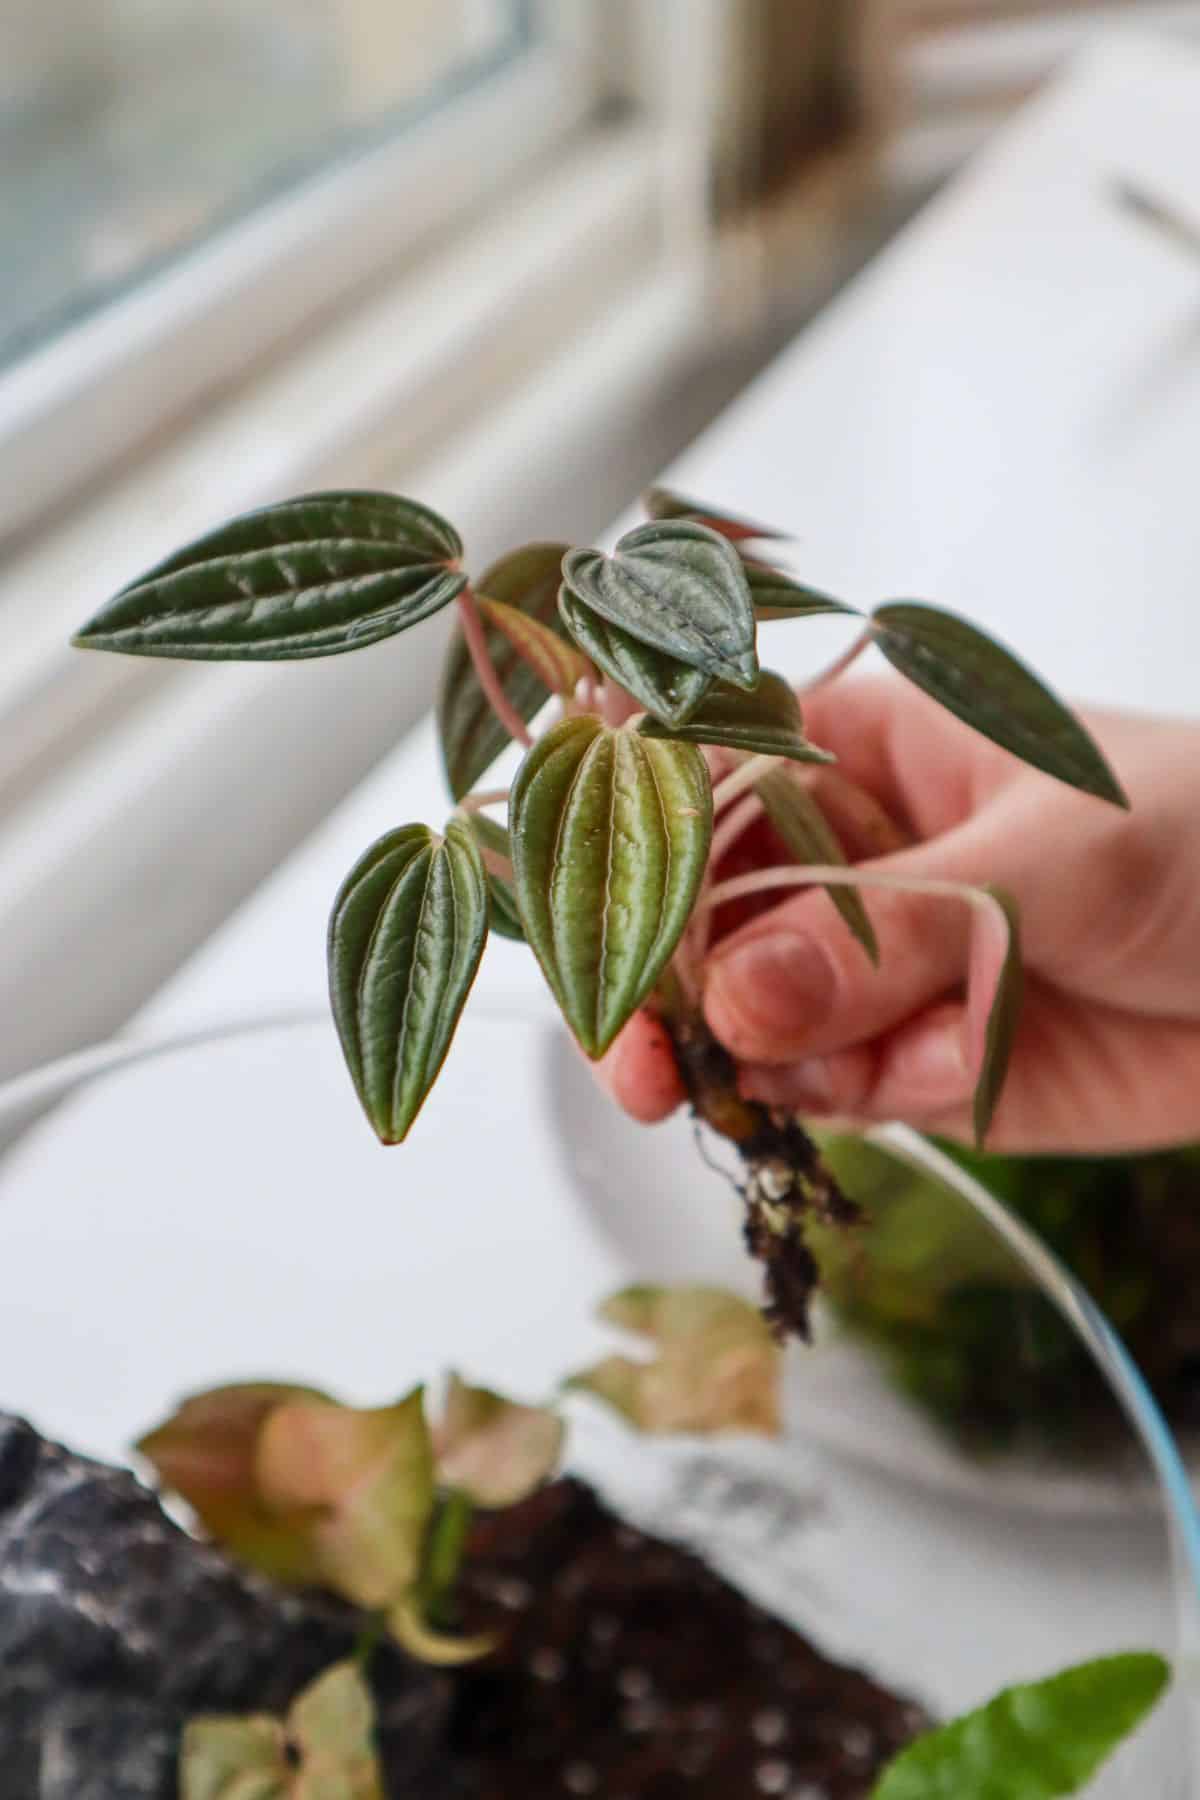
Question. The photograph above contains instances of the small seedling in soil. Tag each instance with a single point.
(428, 1518)
(662, 741)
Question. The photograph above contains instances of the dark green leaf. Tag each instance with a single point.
(471, 735)
(663, 503)
(552, 657)
(987, 687)
(997, 947)
(807, 833)
(670, 690)
(405, 938)
(1038, 1742)
(610, 834)
(679, 587)
(310, 577)
(767, 722)
(780, 596)
(495, 844)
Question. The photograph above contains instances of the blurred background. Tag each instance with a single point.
(510, 256)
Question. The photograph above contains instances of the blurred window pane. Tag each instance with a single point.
(130, 130)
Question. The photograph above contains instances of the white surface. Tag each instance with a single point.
(1001, 415)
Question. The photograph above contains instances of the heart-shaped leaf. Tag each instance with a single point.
(405, 938)
(679, 587)
(471, 735)
(358, 1484)
(496, 848)
(553, 659)
(610, 834)
(494, 1449)
(717, 1368)
(669, 690)
(1035, 1742)
(984, 685)
(777, 595)
(808, 835)
(767, 722)
(309, 577)
(206, 1452)
(325, 1751)
(664, 503)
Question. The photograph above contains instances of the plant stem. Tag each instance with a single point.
(476, 641)
(829, 875)
(472, 803)
(444, 1547)
(740, 780)
(731, 827)
(369, 1639)
(839, 665)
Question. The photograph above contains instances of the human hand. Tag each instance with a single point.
(1107, 1056)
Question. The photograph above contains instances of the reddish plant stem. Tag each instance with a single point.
(838, 666)
(475, 639)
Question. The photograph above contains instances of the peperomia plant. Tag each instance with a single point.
(376, 1506)
(667, 740)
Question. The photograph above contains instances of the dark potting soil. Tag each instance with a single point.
(629, 1670)
(626, 1668)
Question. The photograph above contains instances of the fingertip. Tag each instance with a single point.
(640, 1071)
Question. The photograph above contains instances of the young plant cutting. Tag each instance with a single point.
(654, 745)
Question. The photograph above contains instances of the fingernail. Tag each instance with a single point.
(770, 994)
(805, 1085)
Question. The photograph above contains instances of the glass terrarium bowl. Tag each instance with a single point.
(174, 1216)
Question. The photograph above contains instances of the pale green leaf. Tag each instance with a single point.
(717, 1366)
(664, 503)
(553, 659)
(471, 735)
(810, 838)
(1035, 1742)
(332, 1726)
(405, 938)
(766, 722)
(610, 834)
(310, 577)
(206, 1452)
(678, 587)
(985, 686)
(495, 1450)
(234, 1759)
(669, 690)
(358, 1484)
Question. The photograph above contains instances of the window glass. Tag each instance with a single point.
(132, 129)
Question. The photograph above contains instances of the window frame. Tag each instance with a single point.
(88, 399)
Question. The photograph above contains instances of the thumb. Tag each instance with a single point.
(795, 983)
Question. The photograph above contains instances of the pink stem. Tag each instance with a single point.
(732, 826)
(740, 780)
(838, 666)
(476, 642)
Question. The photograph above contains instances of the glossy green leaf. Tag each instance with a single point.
(310, 577)
(494, 843)
(767, 722)
(680, 588)
(664, 503)
(553, 658)
(717, 1366)
(324, 1751)
(471, 735)
(610, 835)
(497, 1451)
(405, 938)
(777, 595)
(1035, 1742)
(669, 690)
(995, 969)
(810, 838)
(984, 685)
